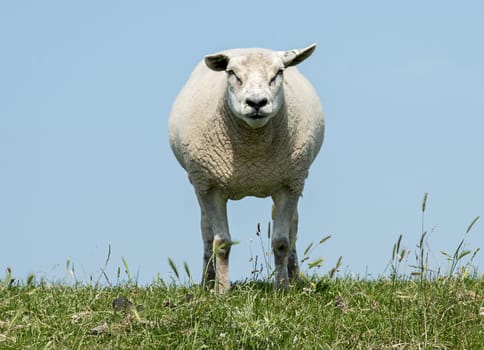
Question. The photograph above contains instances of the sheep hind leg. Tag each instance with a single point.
(283, 239)
(208, 272)
(292, 263)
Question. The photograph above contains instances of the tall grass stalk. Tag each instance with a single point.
(460, 253)
(103, 269)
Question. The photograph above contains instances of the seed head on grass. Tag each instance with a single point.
(173, 268)
(309, 249)
(126, 268)
(8, 281)
(424, 202)
(219, 247)
(30, 280)
(336, 268)
(187, 271)
(316, 263)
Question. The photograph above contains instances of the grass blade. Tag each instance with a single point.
(472, 224)
(464, 253)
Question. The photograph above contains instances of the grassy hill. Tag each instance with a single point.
(424, 309)
(323, 313)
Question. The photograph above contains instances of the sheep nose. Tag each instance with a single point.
(256, 103)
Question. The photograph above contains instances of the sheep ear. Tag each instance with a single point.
(293, 57)
(217, 62)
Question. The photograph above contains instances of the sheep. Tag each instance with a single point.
(247, 123)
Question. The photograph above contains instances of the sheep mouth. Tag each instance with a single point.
(257, 116)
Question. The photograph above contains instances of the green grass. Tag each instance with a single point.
(422, 309)
(326, 313)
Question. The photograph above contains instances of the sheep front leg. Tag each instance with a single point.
(216, 236)
(284, 236)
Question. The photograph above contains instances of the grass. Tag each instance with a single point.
(326, 314)
(425, 309)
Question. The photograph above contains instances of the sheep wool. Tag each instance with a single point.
(247, 123)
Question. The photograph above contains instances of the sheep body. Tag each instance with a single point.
(222, 154)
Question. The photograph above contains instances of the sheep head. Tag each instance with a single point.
(255, 79)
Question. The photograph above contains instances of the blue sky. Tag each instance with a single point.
(85, 94)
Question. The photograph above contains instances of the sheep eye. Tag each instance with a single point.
(230, 72)
(278, 74)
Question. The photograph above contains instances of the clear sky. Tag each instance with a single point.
(85, 94)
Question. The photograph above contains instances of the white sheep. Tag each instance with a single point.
(247, 123)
